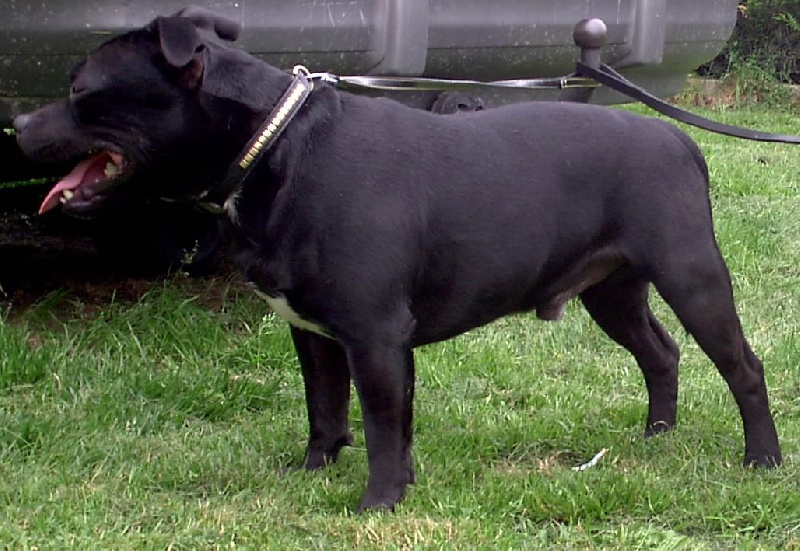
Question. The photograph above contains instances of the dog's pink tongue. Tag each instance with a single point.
(71, 181)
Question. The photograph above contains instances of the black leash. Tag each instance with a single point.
(609, 77)
(586, 76)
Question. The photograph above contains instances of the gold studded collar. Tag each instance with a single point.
(270, 130)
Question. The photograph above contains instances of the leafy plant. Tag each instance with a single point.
(766, 40)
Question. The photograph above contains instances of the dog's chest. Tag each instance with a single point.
(267, 273)
(280, 305)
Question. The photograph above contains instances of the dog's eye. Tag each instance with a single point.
(75, 90)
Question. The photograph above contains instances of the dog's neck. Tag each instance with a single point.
(220, 196)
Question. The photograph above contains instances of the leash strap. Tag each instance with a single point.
(442, 84)
(609, 77)
(586, 76)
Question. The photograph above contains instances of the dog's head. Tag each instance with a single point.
(152, 107)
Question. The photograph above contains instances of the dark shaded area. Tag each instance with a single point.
(16, 167)
(98, 259)
(38, 257)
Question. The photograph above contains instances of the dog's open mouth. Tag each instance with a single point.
(87, 183)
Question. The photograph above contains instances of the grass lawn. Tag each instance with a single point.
(167, 423)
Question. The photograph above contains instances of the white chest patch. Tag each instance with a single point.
(230, 207)
(281, 307)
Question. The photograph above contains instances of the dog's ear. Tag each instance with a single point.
(182, 47)
(179, 40)
(224, 28)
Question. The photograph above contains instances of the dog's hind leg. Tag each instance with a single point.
(619, 306)
(698, 289)
(384, 379)
(327, 383)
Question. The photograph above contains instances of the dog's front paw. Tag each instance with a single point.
(658, 427)
(763, 460)
(384, 499)
(384, 495)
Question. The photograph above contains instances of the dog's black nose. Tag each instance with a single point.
(20, 122)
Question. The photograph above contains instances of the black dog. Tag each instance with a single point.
(375, 228)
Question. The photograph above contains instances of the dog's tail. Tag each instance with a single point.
(691, 146)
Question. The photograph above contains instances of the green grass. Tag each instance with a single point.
(167, 424)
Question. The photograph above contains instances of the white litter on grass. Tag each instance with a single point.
(592, 462)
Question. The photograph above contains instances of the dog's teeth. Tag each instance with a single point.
(67, 194)
(62, 200)
(110, 170)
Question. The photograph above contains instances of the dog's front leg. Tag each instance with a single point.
(327, 383)
(384, 378)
